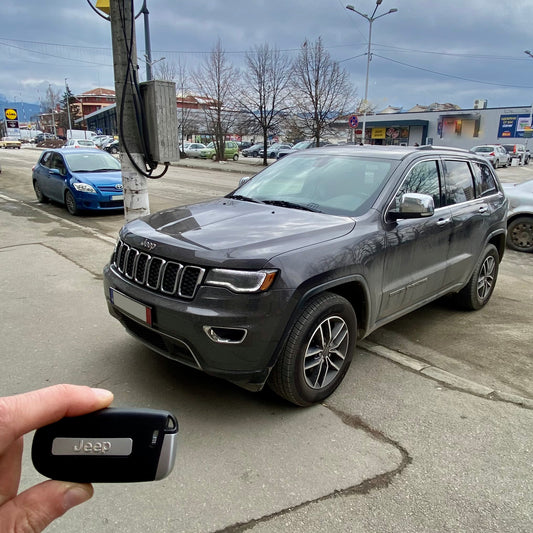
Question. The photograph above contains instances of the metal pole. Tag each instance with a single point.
(68, 107)
(368, 57)
(147, 44)
(370, 20)
(53, 105)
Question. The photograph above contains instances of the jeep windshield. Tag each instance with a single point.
(334, 184)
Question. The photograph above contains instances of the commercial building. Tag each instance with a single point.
(447, 126)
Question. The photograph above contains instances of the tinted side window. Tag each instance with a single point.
(459, 182)
(484, 180)
(423, 178)
(58, 163)
(46, 158)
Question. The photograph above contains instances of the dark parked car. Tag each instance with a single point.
(275, 282)
(520, 215)
(112, 147)
(252, 151)
(81, 178)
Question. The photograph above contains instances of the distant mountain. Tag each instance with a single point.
(25, 110)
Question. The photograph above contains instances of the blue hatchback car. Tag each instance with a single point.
(82, 179)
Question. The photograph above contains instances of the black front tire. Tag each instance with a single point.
(70, 203)
(479, 289)
(520, 234)
(318, 351)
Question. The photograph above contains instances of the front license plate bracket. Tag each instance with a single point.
(130, 306)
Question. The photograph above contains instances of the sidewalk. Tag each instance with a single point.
(247, 166)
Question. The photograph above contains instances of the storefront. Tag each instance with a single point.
(397, 132)
(462, 128)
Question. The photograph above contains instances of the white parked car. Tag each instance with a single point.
(193, 149)
(79, 143)
(495, 153)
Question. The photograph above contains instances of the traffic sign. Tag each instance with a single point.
(353, 121)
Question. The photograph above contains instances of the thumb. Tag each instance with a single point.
(32, 510)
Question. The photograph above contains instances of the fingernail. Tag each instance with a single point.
(76, 495)
(103, 394)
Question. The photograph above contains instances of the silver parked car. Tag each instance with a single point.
(273, 149)
(520, 216)
(193, 149)
(495, 153)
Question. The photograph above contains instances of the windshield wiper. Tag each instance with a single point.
(291, 205)
(244, 198)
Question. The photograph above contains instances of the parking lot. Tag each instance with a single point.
(397, 447)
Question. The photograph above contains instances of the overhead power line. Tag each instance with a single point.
(452, 75)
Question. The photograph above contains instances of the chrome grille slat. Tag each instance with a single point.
(156, 273)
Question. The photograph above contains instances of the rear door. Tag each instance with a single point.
(416, 249)
(469, 187)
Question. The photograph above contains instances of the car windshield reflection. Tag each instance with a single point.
(337, 185)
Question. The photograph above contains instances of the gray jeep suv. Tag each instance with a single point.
(274, 283)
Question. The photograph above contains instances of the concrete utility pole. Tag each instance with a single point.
(136, 203)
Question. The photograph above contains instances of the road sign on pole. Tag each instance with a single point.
(353, 121)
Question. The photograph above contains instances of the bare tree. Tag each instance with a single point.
(164, 70)
(179, 75)
(52, 100)
(265, 89)
(321, 90)
(215, 79)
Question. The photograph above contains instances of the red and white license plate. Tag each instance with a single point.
(131, 307)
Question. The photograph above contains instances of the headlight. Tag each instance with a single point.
(241, 280)
(84, 187)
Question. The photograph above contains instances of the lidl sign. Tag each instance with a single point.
(10, 113)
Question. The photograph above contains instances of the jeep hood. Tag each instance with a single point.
(228, 230)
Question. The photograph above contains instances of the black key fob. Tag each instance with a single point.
(108, 446)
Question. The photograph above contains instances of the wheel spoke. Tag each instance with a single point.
(326, 352)
(486, 277)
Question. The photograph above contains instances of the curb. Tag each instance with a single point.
(442, 376)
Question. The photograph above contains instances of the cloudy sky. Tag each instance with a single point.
(428, 51)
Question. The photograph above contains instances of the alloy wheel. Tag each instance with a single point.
(326, 351)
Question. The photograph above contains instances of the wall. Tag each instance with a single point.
(460, 129)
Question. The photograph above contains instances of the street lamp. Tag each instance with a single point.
(370, 20)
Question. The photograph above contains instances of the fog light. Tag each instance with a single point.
(225, 335)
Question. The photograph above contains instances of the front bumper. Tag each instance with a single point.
(99, 201)
(232, 336)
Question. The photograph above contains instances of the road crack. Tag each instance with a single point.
(380, 481)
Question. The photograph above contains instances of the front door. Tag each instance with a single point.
(416, 249)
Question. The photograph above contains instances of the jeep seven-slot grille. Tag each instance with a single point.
(157, 273)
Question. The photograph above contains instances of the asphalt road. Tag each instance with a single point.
(392, 450)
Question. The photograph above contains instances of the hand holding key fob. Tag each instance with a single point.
(108, 446)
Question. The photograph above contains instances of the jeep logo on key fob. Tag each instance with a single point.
(108, 446)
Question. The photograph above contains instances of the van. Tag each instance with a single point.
(80, 134)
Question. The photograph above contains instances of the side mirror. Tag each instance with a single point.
(414, 205)
(244, 180)
(54, 171)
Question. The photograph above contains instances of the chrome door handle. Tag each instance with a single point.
(443, 221)
(483, 209)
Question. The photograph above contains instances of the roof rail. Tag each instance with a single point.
(433, 147)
